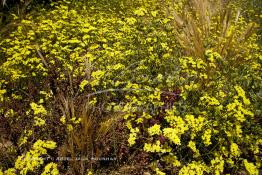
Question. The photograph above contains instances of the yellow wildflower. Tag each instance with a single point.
(158, 172)
(51, 169)
(207, 137)
(172, 135)
(251, 168)
(154, 130)
(234, 149)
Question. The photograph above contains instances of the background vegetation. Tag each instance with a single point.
(123, 87)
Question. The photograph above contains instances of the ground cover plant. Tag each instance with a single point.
(123, 87)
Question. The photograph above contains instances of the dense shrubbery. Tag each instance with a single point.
(183, 77)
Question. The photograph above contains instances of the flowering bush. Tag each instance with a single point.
(209, 126)
(184, 77)
(32, 160)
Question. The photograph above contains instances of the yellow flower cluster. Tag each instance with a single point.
(69, 127)
(194, 168)
(2, 92)
(38, 109)
(188, 64)
(32, 159)
(238, 111)
(209, 101)
(234, 150)
(193, 67)
(24, 137)
(132, 136)
(191, 86)
(140, 11)
(75, 120)
(39, 121)
(192, 146)
(97, 76)
(154, 130)
(217, 165)
(195, 124)
(50, 169)
(172, 134)
(241, 93)
(89, 172)
(155, 147)
(177, 123)
(152, 147)
(251, 168)
(172, 159)
(63, 119)
(158, 172)
(212, 56)
(10, 171)
(206, 137)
